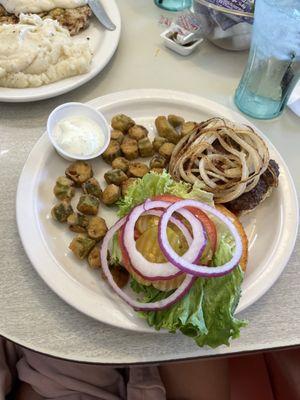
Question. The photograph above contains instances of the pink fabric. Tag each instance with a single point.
(145, 381)
(63, 380)
(269, 376)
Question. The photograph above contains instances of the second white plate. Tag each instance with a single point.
(46, 242)
(102, 42)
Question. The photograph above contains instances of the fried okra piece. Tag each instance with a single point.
(126, 185)
(64, 189)
(97, 228)
(79, 172)
(88, 204)
(145, 148)
(115, 176)
(166, 130)
(166, 150)
(120, 275)
(137, 132)
(188, 127)
(92, 186)
(61, 211)
(81, 245)
(175, 120)
(77, 222)
(111, 194)
(122, 123)
(113, 150)
(130, 149)
(117, 135)
(157, 170)
(158, 161)
(158, 142)
(137, 170)
(120, 163)
(94, 257)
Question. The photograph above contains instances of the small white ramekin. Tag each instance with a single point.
(178, 48)
(70, 109)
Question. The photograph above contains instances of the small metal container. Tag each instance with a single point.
(226, 28)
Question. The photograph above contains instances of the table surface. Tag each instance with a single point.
(31, 314)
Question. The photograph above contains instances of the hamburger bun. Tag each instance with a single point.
(237, 223)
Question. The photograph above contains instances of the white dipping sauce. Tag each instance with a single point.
(79, 136)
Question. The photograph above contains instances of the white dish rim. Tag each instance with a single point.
(70, 287)
(112, 38)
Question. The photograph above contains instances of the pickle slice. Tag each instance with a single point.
(145, 222)
(148, 245)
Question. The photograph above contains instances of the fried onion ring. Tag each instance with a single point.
(227, 159)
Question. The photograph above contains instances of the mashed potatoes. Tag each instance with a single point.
(36, 52)
(36, 6)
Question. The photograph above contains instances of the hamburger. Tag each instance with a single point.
(196, 294)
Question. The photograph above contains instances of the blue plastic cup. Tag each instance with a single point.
(173, 5)
(273, 67)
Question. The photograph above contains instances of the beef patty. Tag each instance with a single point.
(249, 200)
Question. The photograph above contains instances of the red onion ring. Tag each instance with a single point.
(182, 263)
(138, 306)
(160, 271)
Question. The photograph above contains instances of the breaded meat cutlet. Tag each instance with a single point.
(73, 19)
(6, 18)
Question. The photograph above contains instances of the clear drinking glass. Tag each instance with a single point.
(273, 67)
(173, 5)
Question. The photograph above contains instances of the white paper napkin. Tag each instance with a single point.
(294, 100)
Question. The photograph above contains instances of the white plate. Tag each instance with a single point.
(102, 42)
(271, 228)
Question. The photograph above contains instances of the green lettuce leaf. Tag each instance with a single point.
(198, 193)
(206, 313)
(221, 297)
(153, 184)
(115, 252)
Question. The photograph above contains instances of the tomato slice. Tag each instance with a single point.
(208, 224)
(125, 257)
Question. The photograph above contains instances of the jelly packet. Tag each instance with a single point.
(184, 35)
(187, 29)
